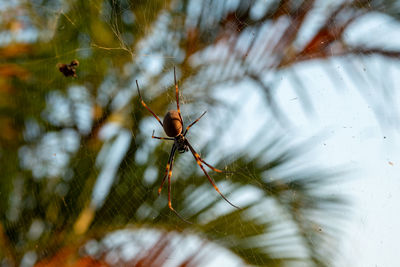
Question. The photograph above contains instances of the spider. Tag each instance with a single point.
(173, 127)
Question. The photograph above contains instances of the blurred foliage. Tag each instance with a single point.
(61, 135)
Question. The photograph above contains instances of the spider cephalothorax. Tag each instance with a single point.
(173, 127)
(181, 144)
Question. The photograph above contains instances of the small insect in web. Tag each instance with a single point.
(173, 127)
(68, 69)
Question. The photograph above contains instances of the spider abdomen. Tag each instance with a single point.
(172, 123)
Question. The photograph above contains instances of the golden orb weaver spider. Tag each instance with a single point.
(173, 127)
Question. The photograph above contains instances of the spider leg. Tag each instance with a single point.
(187, 128)
(177, 96)
(215, 169)
(161, 138)
(144, 104)
(169, 193)
(199, 160)
(169, 166)
(211, 167)
(208, 165)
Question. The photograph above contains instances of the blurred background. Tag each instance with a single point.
(302, 114)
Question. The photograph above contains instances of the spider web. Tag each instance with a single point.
(90, 169)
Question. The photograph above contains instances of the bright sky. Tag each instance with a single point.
(357, 140)
(362, 141)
